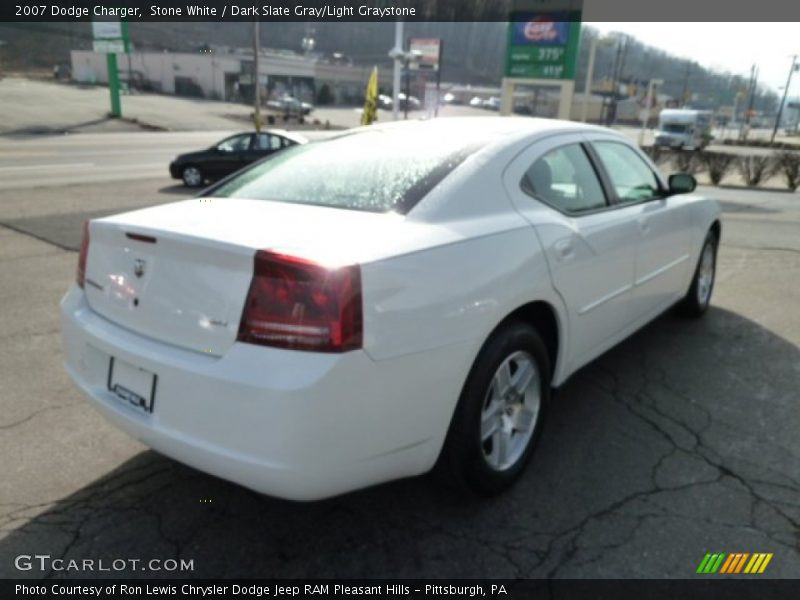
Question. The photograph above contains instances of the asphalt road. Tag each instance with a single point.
(680, 441)
(53, 160)
(93, 157)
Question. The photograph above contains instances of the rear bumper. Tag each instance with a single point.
(296, 425)
(175, 170)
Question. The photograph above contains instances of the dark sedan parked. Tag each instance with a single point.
(229, 155)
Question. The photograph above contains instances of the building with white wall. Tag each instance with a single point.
(228, 75)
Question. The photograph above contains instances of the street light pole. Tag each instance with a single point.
(397, 54)
(587, 88)
(783, 100)
(256, 89)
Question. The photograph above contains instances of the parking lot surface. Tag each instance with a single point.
(680, 441)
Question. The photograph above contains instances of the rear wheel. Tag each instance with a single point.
(192, 176)
(698, 298)
(500, 412)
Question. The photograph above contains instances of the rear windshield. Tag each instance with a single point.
(373, 171)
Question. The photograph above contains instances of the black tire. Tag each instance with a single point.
(463, 461)
(193, 176)
(692, 305)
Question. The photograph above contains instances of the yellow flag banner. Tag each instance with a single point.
(370, 113)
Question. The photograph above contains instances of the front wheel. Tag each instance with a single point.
(499, 414)
(698, 298)
(192, 176)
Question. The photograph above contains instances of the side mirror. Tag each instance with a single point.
(682, 183)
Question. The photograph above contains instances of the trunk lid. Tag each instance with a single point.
(180, 272)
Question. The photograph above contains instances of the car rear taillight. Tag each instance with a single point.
(80, 275)
(298, 304)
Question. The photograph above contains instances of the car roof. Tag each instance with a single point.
(495, 129)
(290, 135)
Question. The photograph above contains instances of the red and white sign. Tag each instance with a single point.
(541, 30)
(428, 51)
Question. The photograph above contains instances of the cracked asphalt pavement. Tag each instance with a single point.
(682, 440)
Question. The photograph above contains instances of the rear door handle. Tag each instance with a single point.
(644, 226)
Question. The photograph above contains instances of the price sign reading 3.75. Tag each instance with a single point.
(543, 46)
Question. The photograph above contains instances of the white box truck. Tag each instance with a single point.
(684, 128)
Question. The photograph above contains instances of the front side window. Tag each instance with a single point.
(237, 143)
(565, 179)
(630, 176)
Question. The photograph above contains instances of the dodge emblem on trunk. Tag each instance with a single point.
(138, 267)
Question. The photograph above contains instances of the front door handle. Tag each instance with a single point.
(644, 226)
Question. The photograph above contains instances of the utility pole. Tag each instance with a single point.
(651, 86)
(612, 106)
(439, 77)
(685, 92)
(783, 100)
(113, 84)
(752, 90)
(256, 86)
(620, 75)
(587, 88)
(126, 38)
(735, 112)
(407, 82)
(619, 65)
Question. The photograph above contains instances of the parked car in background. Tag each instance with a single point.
(362, 308)
(291, 106)
(492, 103)
(385, 102)
(523, 109)
(412, 103)
(229, 155)
(451, 98)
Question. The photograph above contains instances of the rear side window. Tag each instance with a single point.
(630, 176)
(371, 171)
(565, 179)
(266, 141)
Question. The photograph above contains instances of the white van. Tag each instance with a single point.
(684, 128)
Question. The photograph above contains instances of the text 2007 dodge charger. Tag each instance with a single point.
(358, 309)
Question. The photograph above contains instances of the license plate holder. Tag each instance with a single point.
(131, 384)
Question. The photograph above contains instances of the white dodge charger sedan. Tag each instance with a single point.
(364, 308)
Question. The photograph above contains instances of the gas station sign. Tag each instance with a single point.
(543, 45)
